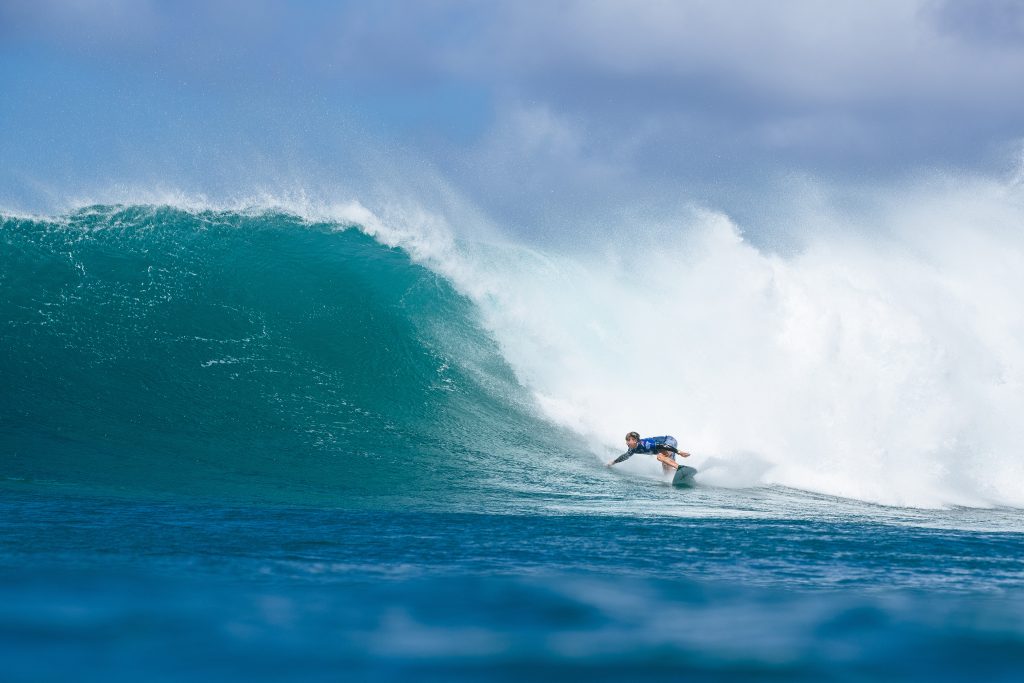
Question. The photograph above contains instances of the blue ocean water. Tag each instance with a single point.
(247, 445)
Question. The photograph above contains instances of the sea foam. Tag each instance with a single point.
(882, 361)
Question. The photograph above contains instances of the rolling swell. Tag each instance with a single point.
(152, 349)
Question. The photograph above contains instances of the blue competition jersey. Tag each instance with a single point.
(648, 445)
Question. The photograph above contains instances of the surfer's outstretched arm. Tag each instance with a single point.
(624, 456)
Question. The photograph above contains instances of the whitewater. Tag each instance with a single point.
(883, 366)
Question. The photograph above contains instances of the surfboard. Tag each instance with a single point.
(684, 476)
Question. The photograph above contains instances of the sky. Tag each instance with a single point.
(538, 114)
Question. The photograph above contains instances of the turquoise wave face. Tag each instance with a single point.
(258, 356)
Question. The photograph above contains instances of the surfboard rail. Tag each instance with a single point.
(684, 476)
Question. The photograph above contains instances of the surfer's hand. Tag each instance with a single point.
(684, 454)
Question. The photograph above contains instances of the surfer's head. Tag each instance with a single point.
(632, 439)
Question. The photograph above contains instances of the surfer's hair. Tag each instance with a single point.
(633, 435)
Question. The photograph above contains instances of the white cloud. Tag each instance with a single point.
(587, 98)
(800, 51)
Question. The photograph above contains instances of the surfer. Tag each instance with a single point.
(664, 446)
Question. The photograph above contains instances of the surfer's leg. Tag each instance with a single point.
(668, 463)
